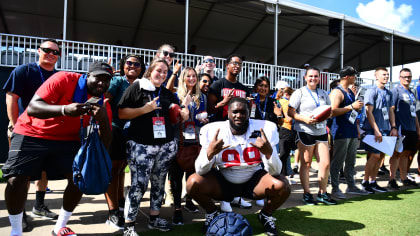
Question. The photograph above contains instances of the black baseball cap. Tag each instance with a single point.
(100, 68)
(347, 71)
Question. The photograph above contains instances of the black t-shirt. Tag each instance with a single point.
(141, 127)
(269, 110)
(221, 88)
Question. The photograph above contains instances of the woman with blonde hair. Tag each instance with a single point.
(188, 86)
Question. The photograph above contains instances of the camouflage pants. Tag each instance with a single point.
(147, 162)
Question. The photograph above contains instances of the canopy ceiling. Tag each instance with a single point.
(218, 28)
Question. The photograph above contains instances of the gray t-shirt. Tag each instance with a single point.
(379, 98)
(403, 99)
(305, 103)
(416, 95)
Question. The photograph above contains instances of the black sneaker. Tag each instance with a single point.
(116, 220)
(384, 169)
(308, 199)
(393, 184)
(26, 227)
(326, 199)
(130, 231)
(160, 224)
(177, 218)
(190, 206)
(208, 220)
(409, 182)
(269, 224)
(367, 187)
(377, 188)
(44, 212)
(296, 170)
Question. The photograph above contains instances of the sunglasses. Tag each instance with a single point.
(48, 50)
(130, 63)
(208, 61)
(205, 81)
(166, 53)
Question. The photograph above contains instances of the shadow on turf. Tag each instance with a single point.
(379, 196)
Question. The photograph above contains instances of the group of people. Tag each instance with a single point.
(245, 136)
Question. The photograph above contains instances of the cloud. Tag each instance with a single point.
(384, 13)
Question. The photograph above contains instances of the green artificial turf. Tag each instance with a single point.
(394, 213)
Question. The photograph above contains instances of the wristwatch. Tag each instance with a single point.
(394, 127)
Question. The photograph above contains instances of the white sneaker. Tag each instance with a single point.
(417, 179)
(225, 206)
(238, 201)
(260, 202)
(291, 181)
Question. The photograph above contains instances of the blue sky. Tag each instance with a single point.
(400, 13)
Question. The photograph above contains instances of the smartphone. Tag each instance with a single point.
(93, 100)
(255, 134)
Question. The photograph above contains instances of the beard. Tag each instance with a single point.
(240, 129)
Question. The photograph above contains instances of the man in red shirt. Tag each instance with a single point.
(46, 138)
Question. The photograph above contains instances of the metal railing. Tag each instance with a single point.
(77, 56)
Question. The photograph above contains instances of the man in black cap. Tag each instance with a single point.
(46, 138)
(345, 109)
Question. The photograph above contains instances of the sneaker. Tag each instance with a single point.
(240, 202)
(225, 206)
(116, 220)
(44, 212)
(269, 224)
(336, 193)
(409, 182)
(160, 224)
(326, 199)
(312, 170)
(291, 181)
(356, 190)
(393, 184)
(177, 218)
(190, 206)
(308, 199)
(377, 188)
(417, 179)
(260, 202)
(65, 231)
(296, 169)
(367, 188)
(48, 190)
(410, 177)
(26, 227)
(208, 219)
(384, 169)
(130, 231)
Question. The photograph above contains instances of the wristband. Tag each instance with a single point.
(63, 112)
(393, 127)
(351, 105)
(182, 106)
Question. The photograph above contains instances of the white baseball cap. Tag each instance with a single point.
(282, 84)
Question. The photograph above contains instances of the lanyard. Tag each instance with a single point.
(410, 95)
(259, 108)
(384, 103)
(40, 73)
(285, 98)
(158, 101)
(317, 103)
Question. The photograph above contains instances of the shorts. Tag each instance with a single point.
(29, 156)
(410, 140)
(230, 190)
(370, 149)
(311, 140)
(118, 148)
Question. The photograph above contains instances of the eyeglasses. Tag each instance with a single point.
(406, 77)
(235, 63)
(130, 63)
(166, 53)
(209, 60)
(49, 50)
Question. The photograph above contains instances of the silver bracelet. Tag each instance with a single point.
(62, 110)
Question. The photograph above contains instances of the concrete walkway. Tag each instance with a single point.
(90, 216)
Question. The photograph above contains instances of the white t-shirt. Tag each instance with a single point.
(304, 103)
(241, 160)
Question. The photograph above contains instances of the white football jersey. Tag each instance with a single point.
(241, 160)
